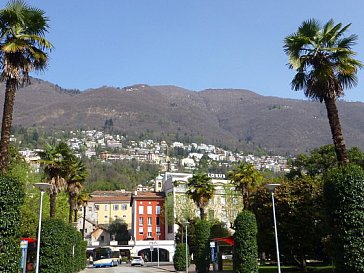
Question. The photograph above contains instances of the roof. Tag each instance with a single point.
(107, 199)
(146, 195)
(110, 193)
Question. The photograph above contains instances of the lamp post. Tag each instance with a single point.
(271, 188)
(42, 187)
(186, 224)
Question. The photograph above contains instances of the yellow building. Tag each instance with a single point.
(111, 205)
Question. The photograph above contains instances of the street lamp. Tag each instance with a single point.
(271, 188)
(42, 187)
(186, 224)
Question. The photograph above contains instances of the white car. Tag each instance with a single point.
(137, 260)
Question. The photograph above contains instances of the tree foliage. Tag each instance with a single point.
(179, 258)
(245, 254)
(300, 216)
(23, 48)
(344, 195)
(321, 159)
(119, 229)
(324, 63)
(202, 248)
(201, 190)
(11, 198)
(246, 179)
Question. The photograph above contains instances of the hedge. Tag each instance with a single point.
(11, 198)
(344, 198)
(62, 248)
(202, 248)
(245, 254)
(179, 258)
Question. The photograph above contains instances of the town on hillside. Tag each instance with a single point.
(175, 156)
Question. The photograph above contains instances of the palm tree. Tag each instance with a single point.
(201, 190)
(76, 175)
(325, 65)
(82, 200)
(53, 160)
(23, 49)
(246, 179)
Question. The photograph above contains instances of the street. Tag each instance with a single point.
(125, 268)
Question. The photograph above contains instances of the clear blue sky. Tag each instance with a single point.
(195, 44)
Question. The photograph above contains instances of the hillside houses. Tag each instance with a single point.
(174, 157)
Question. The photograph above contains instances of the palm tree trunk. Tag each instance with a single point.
(202, 213)
(70, 212)
(52, 204)
(337, 136)
(7, 120)
(83, 222)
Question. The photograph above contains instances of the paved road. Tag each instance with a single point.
(125, 269)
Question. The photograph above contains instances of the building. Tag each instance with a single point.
(224, 206)
(107, 206)
(148, 230)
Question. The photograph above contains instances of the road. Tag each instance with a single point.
(125, 268)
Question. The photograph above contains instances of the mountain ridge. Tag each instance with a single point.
(234, 118)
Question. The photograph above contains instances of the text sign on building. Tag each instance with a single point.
(216, 175)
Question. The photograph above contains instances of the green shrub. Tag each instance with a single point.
(245, 253)
(62, 248)
(344, 197)
(202, 249)
(179, 258)
(11, 198)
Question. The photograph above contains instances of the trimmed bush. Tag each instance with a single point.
(11, 198)
(344, 197)
(179, 258)
(202, 249)
(245, 253)
(62, 248)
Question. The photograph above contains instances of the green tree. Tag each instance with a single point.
(53, 160)
(344, 196)
(325, 66)
(23, 49)
(119, 229)
(246, 179)
(202, 246)
(201, 190)
(301, 221)
(75, 176)
(245, 257)
(319, 160)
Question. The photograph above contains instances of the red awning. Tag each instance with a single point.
(228, 240)
(30, 240)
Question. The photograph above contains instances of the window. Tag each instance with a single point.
(157, 221)
(141, 221)
(158, 209)
(90, 208)
(149, 209)
(149, 221)
(141, 210)
(106, 207)
(124, 216)
(158, 230)
(124, 207)
(105, 216)
(97, 207)
(149, 232)
(102, 238)
(115, 217)
(141, 230)
(116, 207)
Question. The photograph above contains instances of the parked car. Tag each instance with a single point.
(137, 260)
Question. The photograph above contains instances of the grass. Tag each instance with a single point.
(228, 266)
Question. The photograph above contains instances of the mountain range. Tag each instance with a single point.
(231, 118)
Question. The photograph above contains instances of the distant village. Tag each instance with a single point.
(109, 147)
